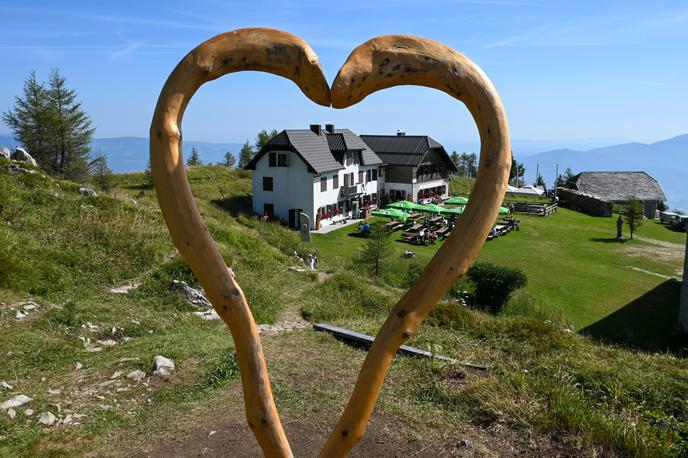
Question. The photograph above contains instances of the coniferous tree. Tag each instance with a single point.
(633, 211)
(263, 137)
(245, 155)
(539, 181)
(29, 119)
(194, 158)
(455, 158)
(70, 131)
(229, 160)
(148, 176)
(51, 124)
(101, 173)
(375, 253)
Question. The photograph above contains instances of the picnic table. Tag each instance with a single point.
(442, 232)
(415, 228)
(414, 216)
(436, 219)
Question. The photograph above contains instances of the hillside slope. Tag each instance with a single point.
(545, 391)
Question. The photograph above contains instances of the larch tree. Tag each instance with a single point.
(633, 212)
(194, 158)
(69, 131)
(29, 119)
(101, 173)
(375, 253)
(245, 155)
(229, 160)
(263, 137)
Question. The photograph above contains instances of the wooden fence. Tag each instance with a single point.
(534, 209)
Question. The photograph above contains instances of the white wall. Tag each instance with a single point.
(332, 196)
(292, 187)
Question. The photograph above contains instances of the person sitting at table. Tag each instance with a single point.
(432, 236)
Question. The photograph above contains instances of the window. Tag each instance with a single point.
(335, 182)
(374, 174)
(269, 210)
(351, 179)
(282, 159)
(379, 171)
(346, 180)
(276, 159)
(267, 183)
(367, 176)
(360, 177)
(323, 184)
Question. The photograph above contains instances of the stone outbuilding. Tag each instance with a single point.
(618, 187)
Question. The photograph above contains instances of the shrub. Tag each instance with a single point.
(413, 271)
(494, 283)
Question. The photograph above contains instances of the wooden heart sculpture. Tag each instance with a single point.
(380, 63)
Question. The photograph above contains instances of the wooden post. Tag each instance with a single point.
(395, 60)
(264, 50)
(683, 308)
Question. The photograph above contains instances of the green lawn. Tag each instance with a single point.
(572, 262)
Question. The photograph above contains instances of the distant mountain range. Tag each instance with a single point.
(667, 160)
(130, 154)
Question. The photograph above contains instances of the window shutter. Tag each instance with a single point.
(272, 161)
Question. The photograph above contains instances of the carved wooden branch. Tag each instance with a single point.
(248, 49)
(395, 60)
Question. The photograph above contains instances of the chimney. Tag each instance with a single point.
(316, 128)
(401, 133)
(329, 127)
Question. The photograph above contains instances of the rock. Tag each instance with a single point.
(164, 367)
(117, 374)
(52, 392)
(17, 170)
(208, 315)
(28, 306)
(16, 401)
(136, 375)
(107, 343)
(4, 152)
(193, 295)
(126, 360)
(20, 154)
(46, 418)
(20, 315)
(28, 412)
(212, 433)
(78, 366)
(5, 385)
(11, 413)
(87, 192)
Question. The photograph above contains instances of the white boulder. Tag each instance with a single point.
(87, 192)
(4, 152)
(136, 375)
(20, 154)
(16, 401)
(164, 367)
(47, 418)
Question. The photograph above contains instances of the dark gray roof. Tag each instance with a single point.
(336, 142)
(618, 186)
(317, 150)
(405, 150)
(354, 142)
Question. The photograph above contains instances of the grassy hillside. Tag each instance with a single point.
(546, 390)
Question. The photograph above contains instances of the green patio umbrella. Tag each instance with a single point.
(456, 200)
(503, 211)
(391, 213)
(454, 210)
(431, 208)
(405, 205)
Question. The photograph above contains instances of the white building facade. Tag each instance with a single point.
(329, 175)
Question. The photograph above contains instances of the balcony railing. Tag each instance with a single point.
(347, 191)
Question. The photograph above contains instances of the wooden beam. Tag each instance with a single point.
(366, 341)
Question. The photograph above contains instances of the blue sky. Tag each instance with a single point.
(565, 70)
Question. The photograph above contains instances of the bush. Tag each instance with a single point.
(494, 283)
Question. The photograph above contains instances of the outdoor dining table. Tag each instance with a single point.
(415, 228)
